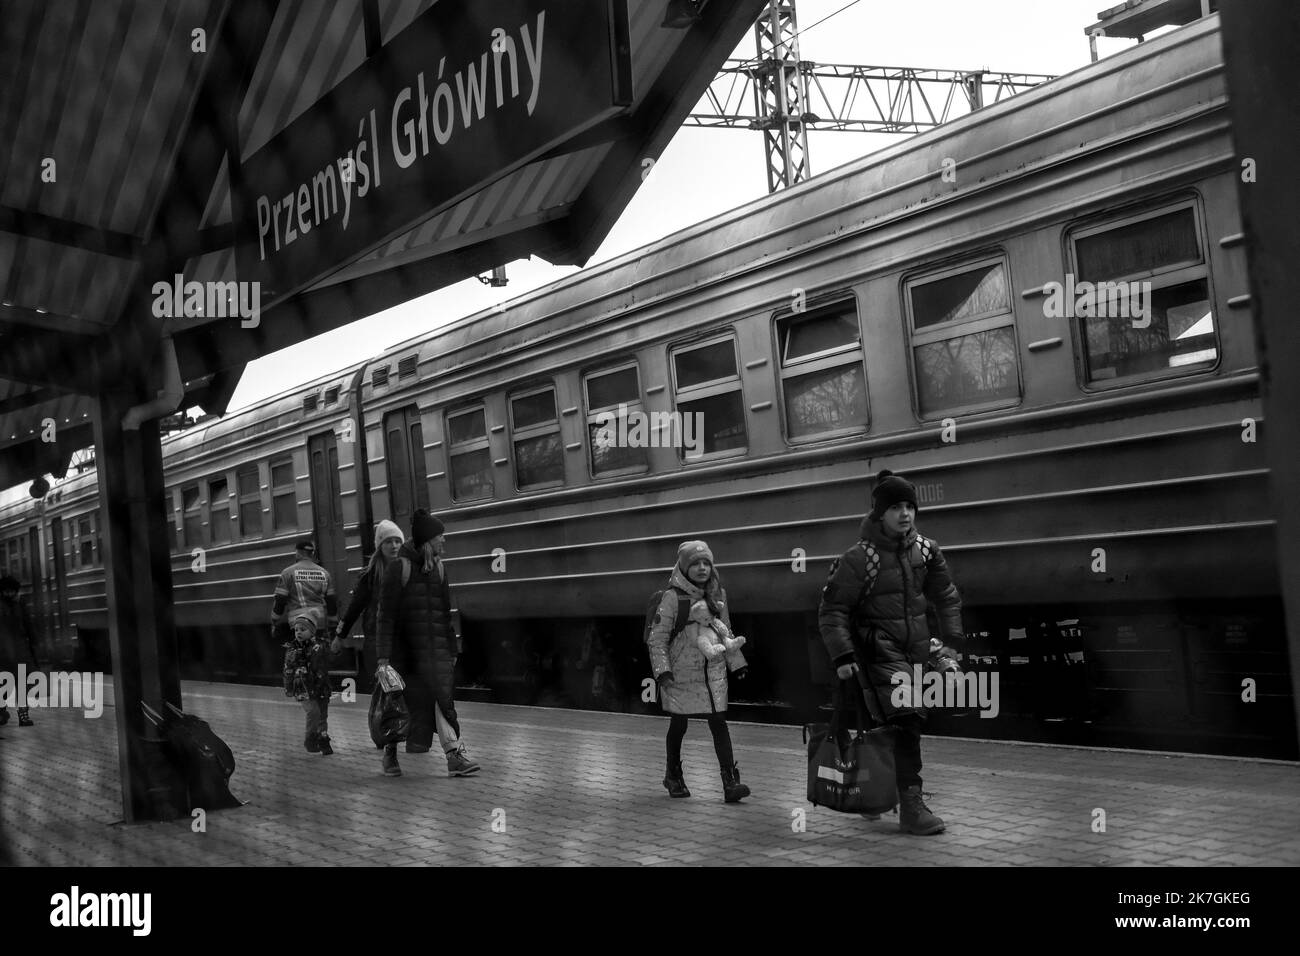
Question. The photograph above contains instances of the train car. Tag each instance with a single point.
(1094, 474)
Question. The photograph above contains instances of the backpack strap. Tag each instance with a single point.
(683, 615)
(873, 569)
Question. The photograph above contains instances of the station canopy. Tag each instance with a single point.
(229, 178)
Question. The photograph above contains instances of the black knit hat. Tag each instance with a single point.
(890, 489)
(425, 527)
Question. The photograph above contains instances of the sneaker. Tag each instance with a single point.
(24, 720)
(312, 743)
(4, 716)
(391, 769)
(325, 747)
(459, 764)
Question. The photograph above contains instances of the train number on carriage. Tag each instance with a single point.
(928, 494)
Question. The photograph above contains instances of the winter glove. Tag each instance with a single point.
(846, 671)
(665, 680)
(740, 673)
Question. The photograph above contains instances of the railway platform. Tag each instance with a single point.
(575, 788)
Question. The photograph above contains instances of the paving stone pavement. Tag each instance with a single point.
(572, 787)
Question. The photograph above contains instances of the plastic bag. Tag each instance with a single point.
(390, 718)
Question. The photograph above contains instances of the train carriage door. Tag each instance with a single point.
(327, 507)
(57, 585)
(35, 579)
(408, 485)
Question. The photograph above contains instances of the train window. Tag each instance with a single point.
(964, 339)
(250, 501)
(707, 384)
(86, 543)
(192, 516)
(219, 510)
(284, 496)
(535, 427)
(468, 454)
(612, 396)
(168, 505)
(823, 380)
(336, 500)
(1142, 296)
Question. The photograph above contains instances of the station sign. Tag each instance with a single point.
(465, 95)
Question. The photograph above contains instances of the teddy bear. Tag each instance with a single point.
(713, 636)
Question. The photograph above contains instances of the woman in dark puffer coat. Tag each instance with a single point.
(885, 632)
(363, 603)
(416, 636)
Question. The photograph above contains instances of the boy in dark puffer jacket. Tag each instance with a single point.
(884, 632)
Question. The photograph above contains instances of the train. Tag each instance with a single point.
(1094, 475)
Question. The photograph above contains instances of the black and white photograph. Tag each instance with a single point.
(686, 434)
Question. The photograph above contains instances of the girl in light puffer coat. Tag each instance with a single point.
(691, 685)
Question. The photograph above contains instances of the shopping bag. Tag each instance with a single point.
(390, 718)
(851, 772)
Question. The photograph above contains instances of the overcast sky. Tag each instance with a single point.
(704, 172)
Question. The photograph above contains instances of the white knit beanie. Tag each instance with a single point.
(385, 530)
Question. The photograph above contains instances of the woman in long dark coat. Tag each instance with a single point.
(416, 636)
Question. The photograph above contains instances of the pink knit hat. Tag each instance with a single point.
(688, 552)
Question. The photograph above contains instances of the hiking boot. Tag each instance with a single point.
(459, 764)
(914, 816)
(312, 743)
(733, 791)
(416, 749)
(675, 782)
(23, 719)
(325, 747)
(391, 769)
(4, 716)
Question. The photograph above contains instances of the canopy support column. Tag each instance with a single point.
(141, 621)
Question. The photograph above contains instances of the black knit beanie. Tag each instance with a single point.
(425, 527)
(890, 489)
